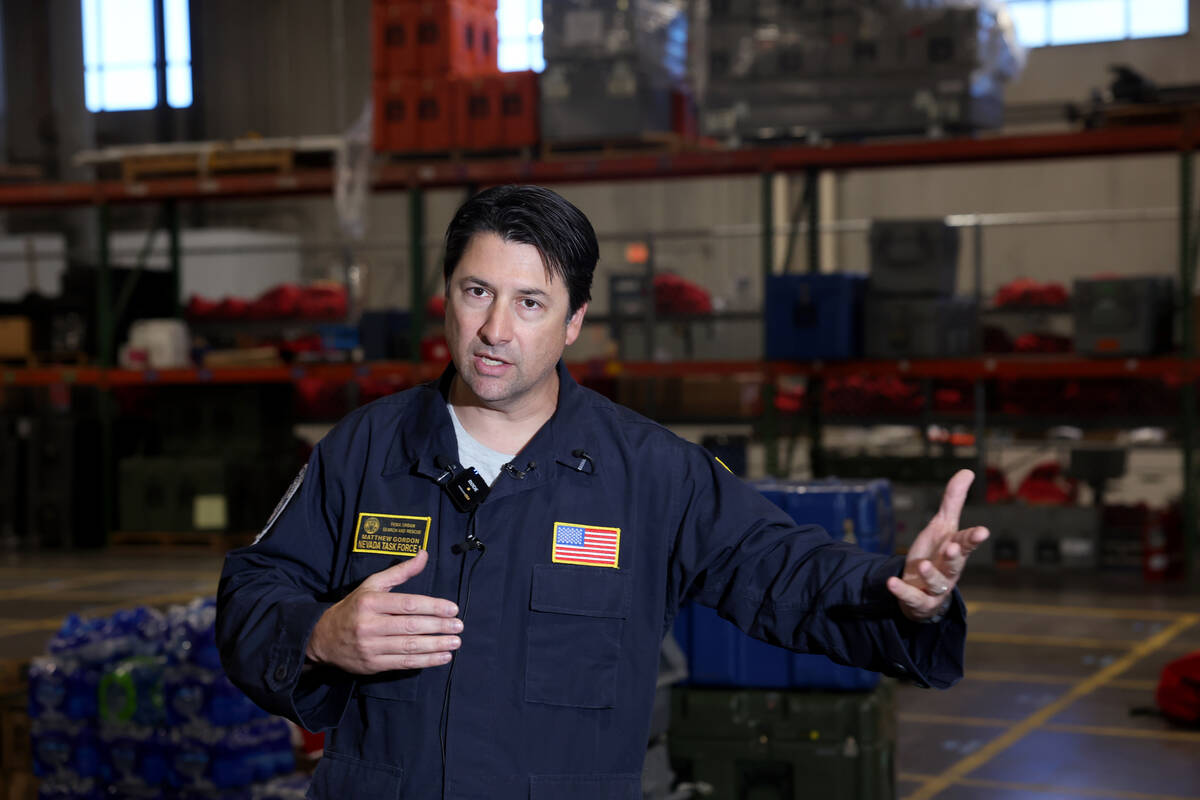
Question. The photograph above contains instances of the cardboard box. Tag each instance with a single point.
(16, 743)
(18, 785)
(16, 337)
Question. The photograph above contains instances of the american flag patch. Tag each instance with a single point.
(589, 545)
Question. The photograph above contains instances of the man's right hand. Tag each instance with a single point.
(374, 630)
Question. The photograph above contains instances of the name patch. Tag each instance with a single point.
(587, 545)
(391, 534)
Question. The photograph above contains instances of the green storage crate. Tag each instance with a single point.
(755, 744)
(159, 494)
(225, 420)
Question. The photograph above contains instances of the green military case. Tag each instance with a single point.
(758, 744)
(158, 494)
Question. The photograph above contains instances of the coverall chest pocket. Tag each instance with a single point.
(400, 684)
(576, 620)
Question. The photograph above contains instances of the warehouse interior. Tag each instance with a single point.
(845, 246)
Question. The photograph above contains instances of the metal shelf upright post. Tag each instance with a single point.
(1188, 240)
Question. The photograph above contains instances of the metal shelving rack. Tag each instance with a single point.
(415, 177)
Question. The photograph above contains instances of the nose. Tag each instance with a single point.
(497, 327)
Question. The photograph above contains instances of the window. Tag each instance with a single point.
(1052, 22)
(520, 35)
(120, 54)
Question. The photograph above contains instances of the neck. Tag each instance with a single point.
(504, 428)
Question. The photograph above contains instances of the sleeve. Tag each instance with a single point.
(796, 587)
(270, 597)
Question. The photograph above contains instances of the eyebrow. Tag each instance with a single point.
(530, 291)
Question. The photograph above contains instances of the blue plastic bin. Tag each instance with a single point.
(719, 654)
(814, 317)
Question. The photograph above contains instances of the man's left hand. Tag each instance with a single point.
(937, 556)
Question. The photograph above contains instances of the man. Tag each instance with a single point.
(497, 635)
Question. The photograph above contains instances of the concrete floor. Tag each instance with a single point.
(1054, 666)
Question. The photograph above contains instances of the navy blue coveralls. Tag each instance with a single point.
(552, 689)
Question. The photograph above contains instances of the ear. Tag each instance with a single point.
(575, 324)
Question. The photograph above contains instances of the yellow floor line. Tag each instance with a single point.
(1051, 641)
(1192, 737)
(1141, 686)
(1021, 677)
(1079, 611)
(1037, 788)
(1018, 677)
(54, 586)
(950, 719)
(1043, 715)
(1086, 730)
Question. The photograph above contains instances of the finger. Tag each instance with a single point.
(935, 582)
(415, 645)
(951, 560)
(417, 661)
(412, 604)
(918, 602)
(397, 574)
(974, 537)
(416, 625)
(955, 496)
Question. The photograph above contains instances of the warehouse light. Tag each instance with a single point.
(120, 54)
(1042, 23)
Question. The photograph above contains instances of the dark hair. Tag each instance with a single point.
(534, 216)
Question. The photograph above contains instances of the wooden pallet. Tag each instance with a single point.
(204, 163)
(14, 675)
(648, 143)
(459, 155)
(213, 541)
(1146, 114)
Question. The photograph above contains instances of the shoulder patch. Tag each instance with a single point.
(282, 504)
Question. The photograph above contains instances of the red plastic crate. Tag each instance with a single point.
(518, 102)
(448, 37)
(394, 39)
(415, 114)
(477, 104)
(433, 99)
(487, 39)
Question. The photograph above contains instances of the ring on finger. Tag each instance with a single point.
(938, 590)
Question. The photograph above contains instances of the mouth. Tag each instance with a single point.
(489, 361)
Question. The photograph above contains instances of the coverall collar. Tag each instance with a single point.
(429, 433)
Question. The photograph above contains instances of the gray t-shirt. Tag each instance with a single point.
(473, 454)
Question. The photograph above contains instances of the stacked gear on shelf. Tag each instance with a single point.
(777, 71)
(857, 512)
(615, 71)
(911, 309)
(136, 704)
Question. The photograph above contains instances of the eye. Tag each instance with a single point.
(530, 304)
(476, 291)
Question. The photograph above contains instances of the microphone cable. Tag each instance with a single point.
(472, 543)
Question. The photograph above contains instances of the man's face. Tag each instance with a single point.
(506, 323)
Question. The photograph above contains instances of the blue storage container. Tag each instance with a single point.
(814, 317)
(854, 511)
(719, 654)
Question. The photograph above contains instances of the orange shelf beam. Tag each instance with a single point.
(687, 163)
(986, 367)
